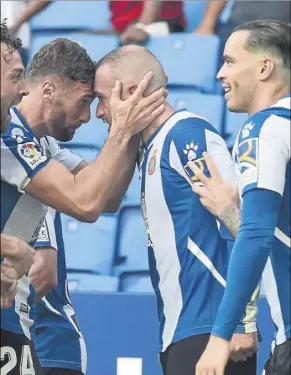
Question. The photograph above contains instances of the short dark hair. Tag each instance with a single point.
(13, 44)
(268, 35)
(62, 58)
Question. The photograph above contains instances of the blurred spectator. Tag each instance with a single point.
(18, 13)
(137, 20)
(241, 11)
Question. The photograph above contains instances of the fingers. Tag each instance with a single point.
(212, 167)
(115, 95)
(199, 190)
(160, 93)
(137, 95)
(201, 176)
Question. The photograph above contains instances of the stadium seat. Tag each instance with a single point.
(139, 282)
(73, 15)
(206, 105)
(233, 123)
(132, 196)
(96, 45)
(84, 282)
(90, 247)
(185, 61)
(131, 251)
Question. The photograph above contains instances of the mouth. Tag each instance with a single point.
(227, 91)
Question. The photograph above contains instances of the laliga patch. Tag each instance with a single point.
(201, 164)
(246, 158)
(30, 154)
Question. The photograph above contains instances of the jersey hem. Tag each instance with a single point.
(61, 364)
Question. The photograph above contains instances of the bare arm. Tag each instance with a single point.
(123, 178)
(213, 10)
(150, 12)
(231, 216)
(43, 273)
(84, 196)
(32, 9)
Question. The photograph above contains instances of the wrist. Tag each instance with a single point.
(119, 138)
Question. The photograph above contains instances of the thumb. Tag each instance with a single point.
(115, 95)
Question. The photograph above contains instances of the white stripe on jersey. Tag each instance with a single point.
(69, 311)
(176, 164)
(276, 130)
(282, 237)
(23, 292)
(10, 166)
(271, 291)
(50, 307)
(206, 261)
(26, 218)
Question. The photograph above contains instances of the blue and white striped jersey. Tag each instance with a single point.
(262, 157)
(21, 214)
(58, 340)
(188, 254)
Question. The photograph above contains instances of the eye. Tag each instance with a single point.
(16, 77)
(228, 62)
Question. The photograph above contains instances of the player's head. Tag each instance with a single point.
(60, 77)
(127, 64)
(12, 73)
(257, 61)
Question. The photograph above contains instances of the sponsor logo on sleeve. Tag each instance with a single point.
(246, 159)
(30, 154)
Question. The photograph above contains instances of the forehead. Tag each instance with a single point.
(236, 43)
(82, 88)
(10, 61)
(104, 78)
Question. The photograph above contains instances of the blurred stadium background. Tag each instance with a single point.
(107, 261)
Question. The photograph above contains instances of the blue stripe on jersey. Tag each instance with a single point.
(55, 325)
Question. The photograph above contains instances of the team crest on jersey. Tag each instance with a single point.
(152, 163)
(246, 130)
(190, 150)
(30, 154)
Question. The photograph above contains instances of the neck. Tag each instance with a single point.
(33, 116)
(154, 125)
(269, 98)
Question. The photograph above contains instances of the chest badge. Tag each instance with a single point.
(152, 163)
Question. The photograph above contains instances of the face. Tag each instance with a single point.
(68, 109)
(239, 73)
(103, 85)
(12, 83)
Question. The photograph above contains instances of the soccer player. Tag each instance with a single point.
(188, 255)
(60, 77)
(18, 254)
(256, 79)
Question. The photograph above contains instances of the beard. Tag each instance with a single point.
(57, 124)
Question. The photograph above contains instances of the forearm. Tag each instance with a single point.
(125, 176)
(231, 217)
(212, 12)
(248, 259)
(150, 12)
(32, 8)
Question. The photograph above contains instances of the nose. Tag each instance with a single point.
(23, 89)
(86, 116)
(220, 74)
(99, 111)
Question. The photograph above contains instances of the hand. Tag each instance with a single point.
(204, 29)
(19, 255)
(8, 290)
(215, 357)
(131, 116)
(216, 194)
(133, 34)
(243, 346)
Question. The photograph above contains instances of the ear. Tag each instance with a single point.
(167, 79)
(47, 90)
(266, 69)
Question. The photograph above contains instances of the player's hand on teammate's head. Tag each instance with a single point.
(215, 194)
(134, 114)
